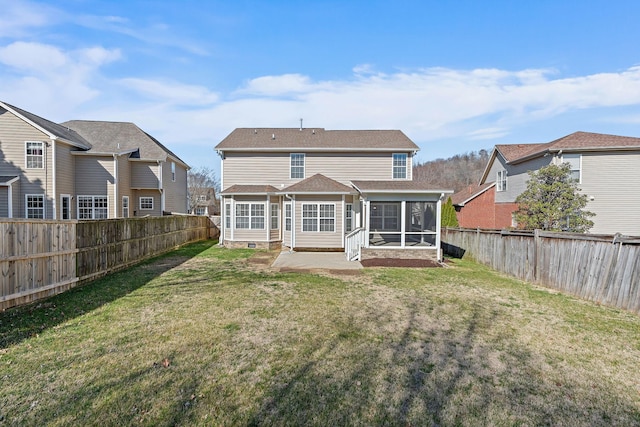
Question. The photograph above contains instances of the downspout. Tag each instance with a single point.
(161, 187)
(115, 190)
(10, 201)
(438, 227)
(53, 184)
(293, 222)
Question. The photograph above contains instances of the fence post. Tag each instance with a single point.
(536, 246)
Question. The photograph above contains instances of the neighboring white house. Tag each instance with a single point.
(85, 169)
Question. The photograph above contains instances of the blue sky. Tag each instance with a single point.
(455, 76)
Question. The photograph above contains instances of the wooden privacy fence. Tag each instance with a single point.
(600, 268)
(40, 258)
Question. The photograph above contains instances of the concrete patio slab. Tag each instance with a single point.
(315, 260)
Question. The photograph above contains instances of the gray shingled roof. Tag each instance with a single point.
(5, 179)
(315, 139)
(250, 189)
(115, 137)
(397, 186)
(55, 129)
(319, 184)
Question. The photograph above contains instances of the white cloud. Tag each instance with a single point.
(171, 92)
(18, 18)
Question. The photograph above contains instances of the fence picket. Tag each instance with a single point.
(592, 267)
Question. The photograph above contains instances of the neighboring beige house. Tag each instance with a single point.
(85, 170)
(205, 202)
(607, 168)
(327, 189)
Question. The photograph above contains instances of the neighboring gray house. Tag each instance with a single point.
(326, 189)
(85, 169)
(607, 168)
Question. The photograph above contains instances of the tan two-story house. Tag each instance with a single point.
(85, 169)
(348, 190)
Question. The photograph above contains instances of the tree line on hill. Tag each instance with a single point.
(454, 173)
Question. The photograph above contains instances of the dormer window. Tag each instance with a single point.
(399, 165)
(297, 165)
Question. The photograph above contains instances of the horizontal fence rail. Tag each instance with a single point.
(600, 268)
(40, 258)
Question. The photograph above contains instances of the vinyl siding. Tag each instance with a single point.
(65, 175)
(145, 175)
(4, 205)
(274, 168)
(613, 179)
(175, 192)
(14, 132)
(517, 176)
(95, 177)
(319, 239)
(134, 203)
(124, 184)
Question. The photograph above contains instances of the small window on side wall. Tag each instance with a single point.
(501, 181)
(146, 203)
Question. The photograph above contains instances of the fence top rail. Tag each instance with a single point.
(37, 221)
(610, 238)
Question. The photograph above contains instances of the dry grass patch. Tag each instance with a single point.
(205, 337)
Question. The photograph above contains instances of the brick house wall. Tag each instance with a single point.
(478, 212)
(503, 214)
(483, 212)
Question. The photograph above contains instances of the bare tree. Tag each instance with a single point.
(203, 187)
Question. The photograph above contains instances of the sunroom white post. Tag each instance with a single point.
(438, 216)
(233, 216)
(267, 220)
(293, 222)
(403, 226)
(344, 219)
(367, 209)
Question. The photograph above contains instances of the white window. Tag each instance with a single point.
(501, 181)
(92, 207)
(146, 203)
(227, 215)
(34, 155)
(274, 216)
(399, 166)
(348, 217)
(202, 198)
(201, 210)
(297, 165)
(385, 217)
(125, 206)
(575, 160)
(35, 205)
(250, 216)
(173, 171)
(318, 217)
(287, 216)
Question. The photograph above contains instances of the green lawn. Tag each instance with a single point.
(205, 336)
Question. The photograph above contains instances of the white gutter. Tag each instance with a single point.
(115, 190)
(54, 184)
